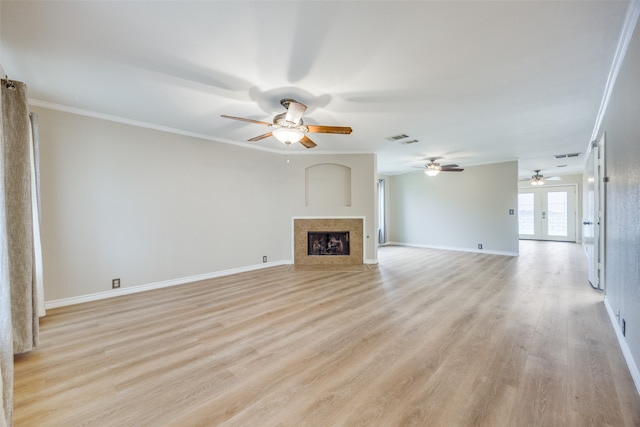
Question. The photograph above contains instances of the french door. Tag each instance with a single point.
(547, 213)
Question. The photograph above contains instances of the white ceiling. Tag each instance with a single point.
(475, 82)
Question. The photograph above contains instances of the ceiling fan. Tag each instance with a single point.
(538, 179)
(289, 128)
(432, 168)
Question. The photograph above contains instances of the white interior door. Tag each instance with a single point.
(593, 214)
(547, 213)
(589, 216)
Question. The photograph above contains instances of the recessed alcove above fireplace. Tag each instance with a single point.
(328, 241)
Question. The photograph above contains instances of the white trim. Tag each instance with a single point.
(626, 351)
(623, 43)
(450, 248)
(147, 125)
(137, 123)
(158, 285)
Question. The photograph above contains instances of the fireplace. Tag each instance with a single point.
(328, 241)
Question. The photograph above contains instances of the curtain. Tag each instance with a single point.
(20, 256)
(6, 336)
(4, 421)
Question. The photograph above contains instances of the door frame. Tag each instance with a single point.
(602, 180)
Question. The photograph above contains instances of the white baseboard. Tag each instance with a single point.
(448, 248)
(157, 285)
(626, 351)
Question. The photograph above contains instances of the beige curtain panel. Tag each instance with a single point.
(19, 278)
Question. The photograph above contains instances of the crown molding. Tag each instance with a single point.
(631, 19)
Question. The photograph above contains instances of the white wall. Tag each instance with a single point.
(622, 245)
(457, 210)
(120, 201)
(1, 69)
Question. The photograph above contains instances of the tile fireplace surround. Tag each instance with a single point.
(301, 226)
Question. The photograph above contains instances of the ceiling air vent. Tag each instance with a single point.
(397, 137)
(411, 141)
(566, 156)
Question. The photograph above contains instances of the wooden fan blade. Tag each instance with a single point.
(449, 166)
(307, 142)
(259, 137)
(246, 120)
(329, 129)
(451, 170)
(295, 112)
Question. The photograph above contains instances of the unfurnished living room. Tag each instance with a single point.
(316, 213)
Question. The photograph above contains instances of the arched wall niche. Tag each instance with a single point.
(328, 184)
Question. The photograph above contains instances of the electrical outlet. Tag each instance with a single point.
(479, 245)
(115, 283)
(264, 258)
(624, 328)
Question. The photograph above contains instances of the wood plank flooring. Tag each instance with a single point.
(426, 338)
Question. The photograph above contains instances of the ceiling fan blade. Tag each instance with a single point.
(246, 120)
(329, 129)
(449, 166)
(259, 137)
(295, 112)
(451, 170)
(307, 142)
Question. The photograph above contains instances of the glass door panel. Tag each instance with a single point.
(526, 214)
(557, 214)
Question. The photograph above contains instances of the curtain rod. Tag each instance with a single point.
(9, 84)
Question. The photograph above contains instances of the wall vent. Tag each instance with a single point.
(397, 137)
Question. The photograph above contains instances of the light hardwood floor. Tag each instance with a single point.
(426, 338)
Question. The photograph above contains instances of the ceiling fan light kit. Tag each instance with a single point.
(432, 168)
(538, 178)
(289, 128)
(288, 135)
(537, 181)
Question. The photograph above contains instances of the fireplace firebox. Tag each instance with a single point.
(328, 243)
